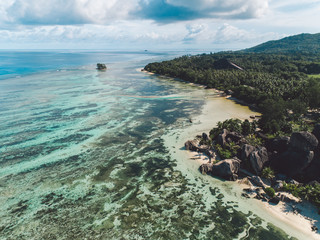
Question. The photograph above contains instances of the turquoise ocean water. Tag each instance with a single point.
(82, 154)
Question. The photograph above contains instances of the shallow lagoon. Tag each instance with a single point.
(87, 154)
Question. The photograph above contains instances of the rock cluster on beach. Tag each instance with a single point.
(227, 169)
(295, 156)
(295, 159)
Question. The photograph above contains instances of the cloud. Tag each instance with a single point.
(227, 34)
(181, 10)
(195, 32)
(70, 12)
(121, 34)
(152, 23)
(294, 5)
(62, 12)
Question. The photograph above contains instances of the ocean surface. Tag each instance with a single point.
(93, 155)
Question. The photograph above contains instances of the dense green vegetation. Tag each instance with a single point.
(270, 191)
(268, 173)
(234, 125)
(302, 43)
(246, 128)
(307, 192)
(281, 85)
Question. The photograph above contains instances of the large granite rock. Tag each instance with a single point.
(210, 153)
(316, 131)
(192, 145)
(227, 169)
(299, 161)
(303, 141)
(222, 137)
(206, 168)
(293, 163)
(205, 137)
(278, 185)
(274, 200)
(278, 144)
(226, 137)
(258, 159)
(312, 172)
(246, 150)
(257, 181)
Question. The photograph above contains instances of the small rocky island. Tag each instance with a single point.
(101, 67)
(277, 168)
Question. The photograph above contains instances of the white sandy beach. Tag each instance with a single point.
(219, 109)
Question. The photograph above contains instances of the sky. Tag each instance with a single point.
(152, 24)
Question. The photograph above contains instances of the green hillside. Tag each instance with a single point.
(280, 78)
(302, 44)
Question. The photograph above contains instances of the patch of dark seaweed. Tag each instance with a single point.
(106, 169)
(74, 138)
(91, 105)
(266, 234)
(51, 198)
(19, 208)
(214, 190)
(255, 221)
(27, 153)
(130, 170)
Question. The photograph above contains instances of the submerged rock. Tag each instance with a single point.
(101, 66)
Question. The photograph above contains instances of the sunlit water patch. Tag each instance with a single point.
(83, 157)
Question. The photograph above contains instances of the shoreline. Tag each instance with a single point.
(189, 162)
(219, 92)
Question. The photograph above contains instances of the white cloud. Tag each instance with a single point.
(226, 8)
(120, 34)
(196, 31)
(228, 33)
(153, 23)
(238, 38)
(62, 12)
